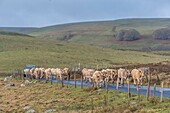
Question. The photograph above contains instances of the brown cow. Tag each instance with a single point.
(137, 74)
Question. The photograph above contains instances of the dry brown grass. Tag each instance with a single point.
(42, 96)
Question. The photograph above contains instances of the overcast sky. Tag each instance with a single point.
(38, 13)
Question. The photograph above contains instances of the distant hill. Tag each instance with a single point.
(16, 51)
(100, 33)
(24, 30)
(8, 33)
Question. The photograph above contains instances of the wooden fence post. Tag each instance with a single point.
(117, 87)
(74, 77)
(105, 100)
(128, 88)
(138, 92)
(22, 74)
(81, 81)
(154, 94)
(62, 84)
(51, 79)
(106, 87)
(162, 86)
(79, 67)
(67, 80)
(148, 90)
(92, 105)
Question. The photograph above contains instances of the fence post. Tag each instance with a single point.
(67, 80)
(51, 79)
(138, 92)
(162, 86)
(148, 90)
(75, 77)
(22, 74)
(128, 88)
(117, 87)
(106, 87)
(79, 67)
(105, 100)
(81, 81)
(62, 81)
(154, 94)
(92, 106)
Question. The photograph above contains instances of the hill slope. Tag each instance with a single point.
(17, 51)
(101, 33)
(24, 30)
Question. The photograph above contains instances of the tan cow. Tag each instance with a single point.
(58, 73)
(48, 74)
(123, 75)
(42, 72)
(32, 73)
(112, 74)
(65, 72)
(137, 74)
(26, 72)
(87, 74)
(98, 79)
(36, 73)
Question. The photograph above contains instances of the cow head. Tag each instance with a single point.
(127, 74)
(65, 71)
(142, 73)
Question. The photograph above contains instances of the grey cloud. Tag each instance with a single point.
(49, 12)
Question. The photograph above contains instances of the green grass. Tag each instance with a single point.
(17, 51)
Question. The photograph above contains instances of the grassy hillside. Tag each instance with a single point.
(101, 34)
(24, 30)
(7, 33)
(17, 51)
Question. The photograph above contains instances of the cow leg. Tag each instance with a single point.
(121, 81)
(112, 80)
(138, 81)
(118, 80)
(47, 77)
(84, 79)
(141, 82)
(134, 82)
(31, 77)
(100, 84)
(104, 82)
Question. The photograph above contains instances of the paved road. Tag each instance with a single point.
(133, 89)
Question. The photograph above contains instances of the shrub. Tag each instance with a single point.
(127, 35)
(162, 34)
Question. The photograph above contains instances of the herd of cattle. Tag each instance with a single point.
(98, 78)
